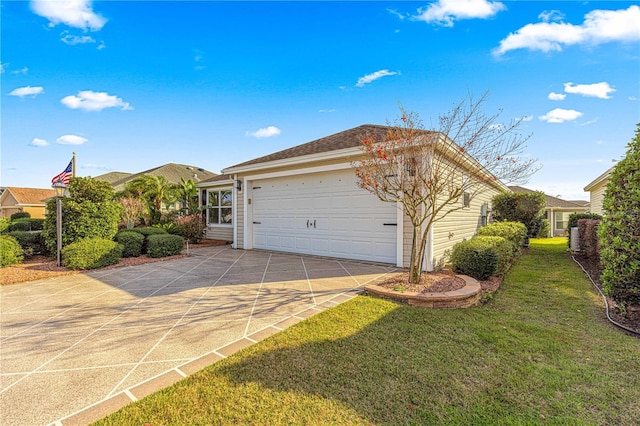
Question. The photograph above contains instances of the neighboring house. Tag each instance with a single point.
(171, 171)
(306, 200)
(596, 191)
(28, 200)
(558, 210)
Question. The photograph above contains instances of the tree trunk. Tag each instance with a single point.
(417, 256)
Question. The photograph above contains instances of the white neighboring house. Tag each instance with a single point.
(305, 199)
(596, 191)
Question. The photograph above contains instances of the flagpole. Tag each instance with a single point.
(73, 160)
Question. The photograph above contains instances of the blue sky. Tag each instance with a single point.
(133, 85)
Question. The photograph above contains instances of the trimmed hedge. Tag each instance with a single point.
(26, 224)
(545, 229)
(162, 245)
(514, 232)
(132, 242)
(482, 257)
(147, 231)
(91, 253)
(31, 242)
(573, 222)
(4, 224)
(10, 251)
(20, 215)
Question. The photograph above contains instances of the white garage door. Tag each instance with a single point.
(323, 214)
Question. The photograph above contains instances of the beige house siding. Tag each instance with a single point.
(596, 197)
(219, 233)
(459, 225)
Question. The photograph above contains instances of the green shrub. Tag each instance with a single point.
(523, 207)
(573, 222)
(620, 228)
(514, 232)
(191, 227)
(20, 215)
(132, 243)
(22, 224)
(480, 257)
(10, 251)
(31, 242)
(545, 229)
(162, 245)
(147, 231)
(89, 212)
(91, 253)
(4, 224)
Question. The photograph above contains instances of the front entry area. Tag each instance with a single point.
(324, 214)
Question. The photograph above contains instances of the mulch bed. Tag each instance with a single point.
(436, 282)
(40, 267)
(630, 318)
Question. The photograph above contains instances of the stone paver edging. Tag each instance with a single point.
(465, 297)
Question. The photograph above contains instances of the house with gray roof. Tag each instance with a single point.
(557, 210)
(305, 199)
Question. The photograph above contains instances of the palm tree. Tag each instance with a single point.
(188, 195)
(155, 190)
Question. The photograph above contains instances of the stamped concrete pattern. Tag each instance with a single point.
(76, 348)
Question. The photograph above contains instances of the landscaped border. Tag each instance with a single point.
(467, 296)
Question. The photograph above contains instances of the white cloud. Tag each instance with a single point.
(95, 167)
(556, 96)
(23, 71)
(71, 39)
(596, 90)
(327, 110)
(374, 76)
(551, 16)
(396, 14)
(71, 140)
(74, 13)
(27, 91)
(3, 67)
(633, 98)
(445, 12)
(101, 45)
(599, 26)
(560, 115)
(89, 100)
(265, 132)
(39, 142)
(527, 118)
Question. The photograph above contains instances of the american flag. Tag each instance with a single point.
(65, 175)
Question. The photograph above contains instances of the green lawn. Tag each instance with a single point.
(539, 352)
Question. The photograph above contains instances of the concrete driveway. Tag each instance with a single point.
(78, 347)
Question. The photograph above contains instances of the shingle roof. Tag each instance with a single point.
(553, 201)
(31, 195)
(172, 171)
(113, 176)
(217, 178)
(346, 139)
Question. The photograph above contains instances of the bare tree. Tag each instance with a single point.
(430, 171)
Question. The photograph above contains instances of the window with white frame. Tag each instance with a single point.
(219, 206)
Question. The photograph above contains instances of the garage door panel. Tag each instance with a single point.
(349, 222)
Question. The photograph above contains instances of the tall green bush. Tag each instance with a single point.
(476, 257)
(619, 231)
(523, 207)
(4, 224)
(31, 242)
(10, 251)
(132, 243)
(89, 212)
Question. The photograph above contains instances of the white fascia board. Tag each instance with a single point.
(304, 159)
(225, 182)
(597, 181)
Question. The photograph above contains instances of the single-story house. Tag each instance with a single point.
(557, 211)
(305, 199)
(596, 190)
(29, 200)
(171, 171)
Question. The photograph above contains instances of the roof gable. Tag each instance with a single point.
(172, 172)
(29, 195)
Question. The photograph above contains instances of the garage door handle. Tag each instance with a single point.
(307, 223)
(314, 224)
(390, 224)
(257, 223)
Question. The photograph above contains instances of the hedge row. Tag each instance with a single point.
(10, 251)
(491, 252)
